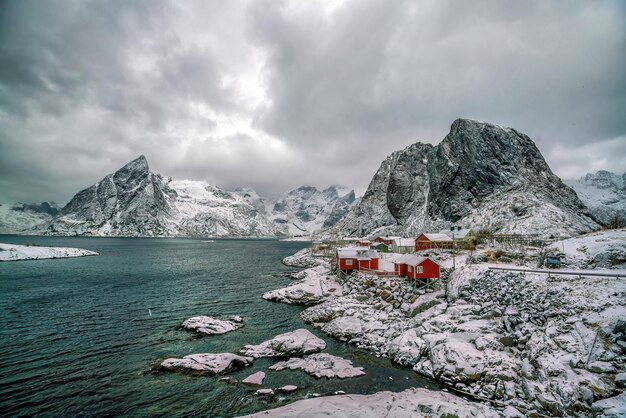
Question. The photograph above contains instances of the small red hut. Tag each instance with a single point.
(416, 267)
(357, 259)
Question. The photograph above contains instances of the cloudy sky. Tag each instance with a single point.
(277, 94)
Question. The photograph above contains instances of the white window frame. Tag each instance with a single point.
(349, 262)
(420, 269)
(410, 268)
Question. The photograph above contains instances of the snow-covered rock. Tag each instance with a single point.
(481, 175)
(414, 402)
(302, 258)
(287, 389)
(614, 407)
(316, 286)
(209, 325)
(321, 365)
(603, 192)
(254, 379)
(221, 363)
(14, 252)
(294, 343)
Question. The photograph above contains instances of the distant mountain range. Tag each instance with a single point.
(133, 201)
(603, 192)
(481, 176)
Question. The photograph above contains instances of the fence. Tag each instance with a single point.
(580, 274)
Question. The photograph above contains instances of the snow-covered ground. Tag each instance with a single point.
(533, 343)
(14, 252)
(605, 249)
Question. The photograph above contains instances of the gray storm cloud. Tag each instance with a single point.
(274, 95)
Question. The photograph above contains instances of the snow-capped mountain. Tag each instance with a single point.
(604, 193)
(133, 201)
(136, 202)
(481, 176)
(18, 217)
(306, 210)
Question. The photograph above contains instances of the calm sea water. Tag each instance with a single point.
(77, 339)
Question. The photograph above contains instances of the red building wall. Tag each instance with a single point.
(344, 266)
(423, 243)
(430, 270)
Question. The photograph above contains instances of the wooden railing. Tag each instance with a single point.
(580, 273)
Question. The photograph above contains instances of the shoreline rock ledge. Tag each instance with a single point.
(290, 344)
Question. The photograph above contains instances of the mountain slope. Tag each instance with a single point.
(19, 217)
(135, 202)
(604, 193)
(481, 176)
(306, 210)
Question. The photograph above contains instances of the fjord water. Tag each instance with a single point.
(80, 337)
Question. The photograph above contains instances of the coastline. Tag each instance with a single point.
(520, 342)
(15, 252)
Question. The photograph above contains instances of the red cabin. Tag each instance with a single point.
(363, 243)
(384, 240)
(416, 267)
(357, 259)
(428, 241)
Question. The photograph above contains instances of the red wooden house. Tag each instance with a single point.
(357, 259)
(416, 267)
(363, 243)
(428, 241)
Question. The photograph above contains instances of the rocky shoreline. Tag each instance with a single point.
(14, 252)
(528, 343)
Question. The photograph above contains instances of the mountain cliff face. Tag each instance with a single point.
(306, 210)
(604, 193)
(481, 176)
(135, 202)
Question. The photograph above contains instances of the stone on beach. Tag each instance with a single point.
(210, 326)
(221, 363)
(321, 365)
(294, 343)
(254, 379)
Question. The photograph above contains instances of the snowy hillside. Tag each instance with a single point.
(481, 176)
(306, 209)
(604, 193)
(18, 217)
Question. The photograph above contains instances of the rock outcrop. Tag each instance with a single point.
(321, 365)
(295, 343)
(481, 176)
(221, 363)
(210, 326)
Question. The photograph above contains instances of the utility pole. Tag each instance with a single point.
(453, 255)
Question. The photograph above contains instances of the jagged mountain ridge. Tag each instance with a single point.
(305, 210)
(133, 201)
(603, 192)
(481, 175)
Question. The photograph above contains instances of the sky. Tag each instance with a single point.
(278, 94)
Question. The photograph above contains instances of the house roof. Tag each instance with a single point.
(437, 237)
(356, 252)
(405, 242)
(458, 234)
(412, 260)
(378, 244)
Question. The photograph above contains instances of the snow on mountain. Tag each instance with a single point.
(18, 217)
(306, 210)
(133, 201)
(481, 176)
(136, 202)
(604, 193)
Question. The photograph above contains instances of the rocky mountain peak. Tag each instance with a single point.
(480, 175)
